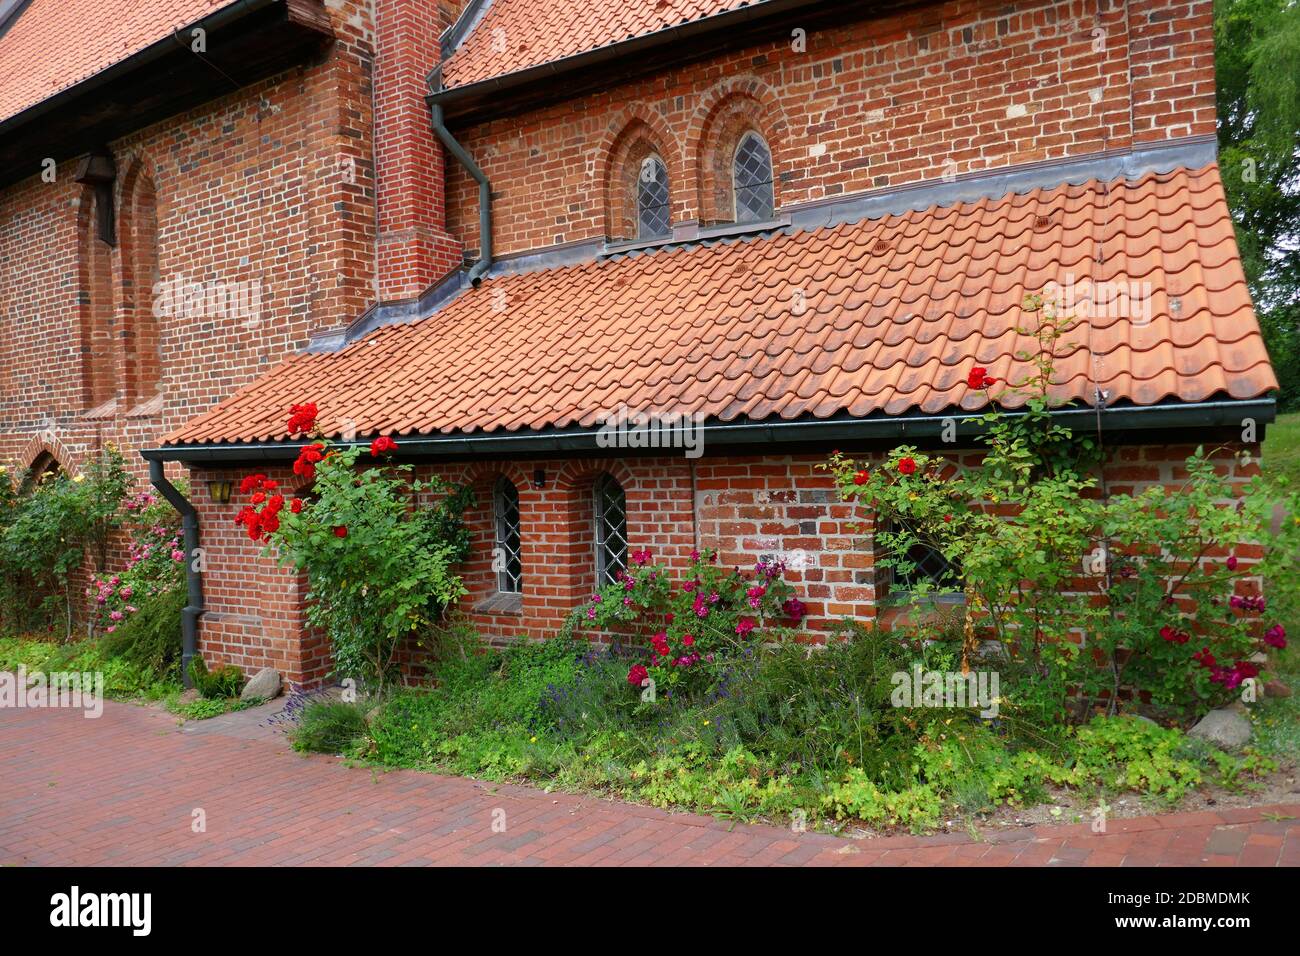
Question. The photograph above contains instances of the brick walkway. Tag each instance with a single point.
(122, 790)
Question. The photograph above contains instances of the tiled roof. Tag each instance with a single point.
(885, 315)
(516, 34)
(55, 44)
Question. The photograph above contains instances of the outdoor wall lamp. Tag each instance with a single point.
(219, 491)
(539, 477)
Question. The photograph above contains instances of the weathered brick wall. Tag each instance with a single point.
(270, 185)
(942, 90)
(781, 506)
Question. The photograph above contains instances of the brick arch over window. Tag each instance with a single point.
(45, 449)
(141, 330)
(98, 333)
(480, 579)
(634, 135)
(728, 111)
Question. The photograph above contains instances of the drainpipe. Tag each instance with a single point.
(193, 578)
(480, 268)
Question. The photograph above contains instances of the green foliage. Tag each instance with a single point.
(222, 681)
(151, 638)
(329, 727)
(1257, 74)
(379, 569)
(123, 680)
(50, 529)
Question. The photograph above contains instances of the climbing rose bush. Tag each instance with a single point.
(379, 569)
(1090, 595)
(692, 626)
(155, 563)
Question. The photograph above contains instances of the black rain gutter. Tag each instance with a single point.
(1213, 414)
(621, 50)
(157, 50)
(480, 268)
(193, 576)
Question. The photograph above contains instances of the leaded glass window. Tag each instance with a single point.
(653, 217)
(752, 171)
(506, 558)
(611, 530)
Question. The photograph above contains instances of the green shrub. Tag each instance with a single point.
(329, 726)
(151, 638)
(222, 681)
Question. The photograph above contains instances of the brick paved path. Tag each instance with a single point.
(121, 790)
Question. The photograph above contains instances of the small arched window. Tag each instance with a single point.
(653, 217)
(611, 529)
(752, 172)
(506, 558)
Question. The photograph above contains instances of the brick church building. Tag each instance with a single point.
(484, 227)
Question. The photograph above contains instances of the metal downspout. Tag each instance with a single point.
(193, 577)
(480, 268)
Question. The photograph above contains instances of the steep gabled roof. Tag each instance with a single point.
(516, 34)
(879, 316)
(56, 44)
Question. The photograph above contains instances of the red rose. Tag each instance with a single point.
(302, 418)
(976, 376)
(637, 674)
(259, 497)
(340, 531)
(274, 504)
(382, 445)
(861, 477)
(296, 505)
(906, 466)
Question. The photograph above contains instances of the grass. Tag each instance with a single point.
(1281, 449)
(123, 680)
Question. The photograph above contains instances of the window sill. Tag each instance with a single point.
(693, 232)
(502, 602)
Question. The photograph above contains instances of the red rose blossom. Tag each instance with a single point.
(296, 505)
(302, 418)
(907, 466)
(382, 446)
(340, 531)
(637, 674)
(861, 477)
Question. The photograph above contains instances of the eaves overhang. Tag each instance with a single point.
(246, 41)
(1165, 423)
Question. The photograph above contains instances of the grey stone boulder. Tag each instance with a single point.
(264, 684)
(1225, 728)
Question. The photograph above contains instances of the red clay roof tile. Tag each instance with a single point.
(55, 44)
(516, 34)
(816, 323)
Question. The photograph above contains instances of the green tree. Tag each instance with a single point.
(1257, 72)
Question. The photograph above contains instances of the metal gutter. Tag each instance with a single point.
(1213, 414)
(480, 268)
(193, 577)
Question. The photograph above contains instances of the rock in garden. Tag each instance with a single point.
(265, 684)
(1224, 728)
(1277, 688)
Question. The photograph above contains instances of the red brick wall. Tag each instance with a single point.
(946, 89)
(780, 506)
(271, 184)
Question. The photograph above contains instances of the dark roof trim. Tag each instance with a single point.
(706, 36)
(823, 433)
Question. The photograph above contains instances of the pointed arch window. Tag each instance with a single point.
(507, 556)
(611, 529)
(752, 172)
(653, 216)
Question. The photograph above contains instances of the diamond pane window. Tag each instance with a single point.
(506, 558)
(752, 170)
(611, 530)
(652, 213)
